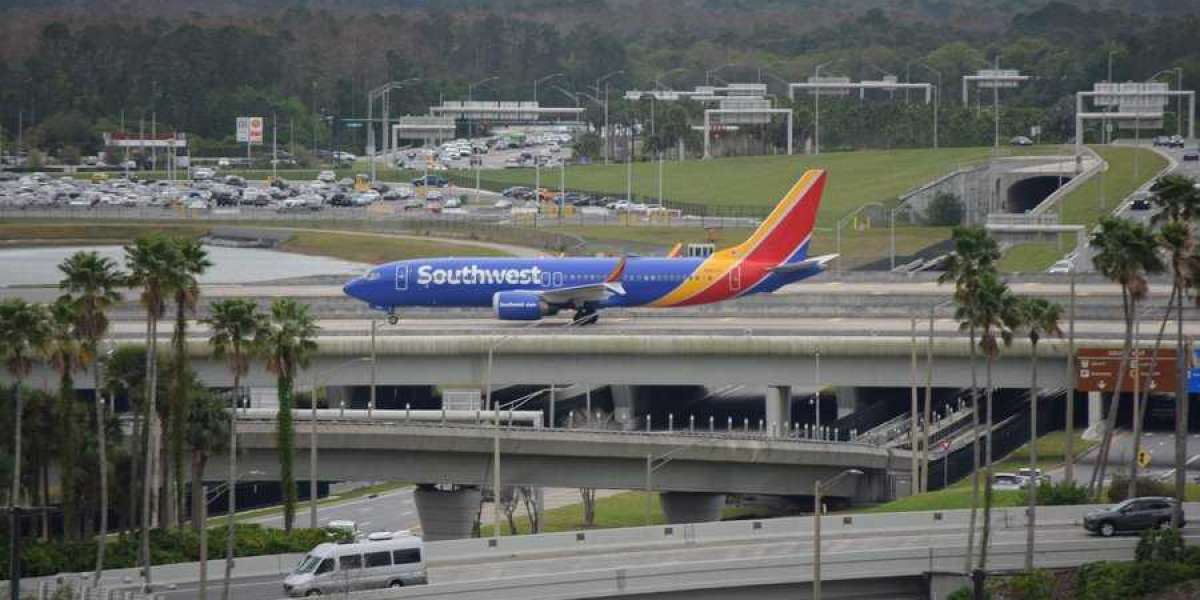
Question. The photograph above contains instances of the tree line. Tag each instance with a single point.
(177, 420)
(77, 76)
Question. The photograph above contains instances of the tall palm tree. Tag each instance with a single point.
(1038, 317)
(287, 345)
(996, 314)
(93, 281)
(235, 324)
(207, 432)
(1126, 254)
(974, 253)
(67, 354)
(25, 330)
(193, 262)
(1179, 200)
(151, 260)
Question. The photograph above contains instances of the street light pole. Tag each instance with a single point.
(817, 107)
(818, 488)
(937, 99)
(471, 97)
(605, 135)
(540, 80)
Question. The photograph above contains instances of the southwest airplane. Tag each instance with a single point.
(527, 289)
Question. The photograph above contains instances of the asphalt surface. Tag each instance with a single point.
(256, 588)
(1161, 447)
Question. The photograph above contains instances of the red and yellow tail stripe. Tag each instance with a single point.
(784, 230)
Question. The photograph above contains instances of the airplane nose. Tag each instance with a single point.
(354, 288)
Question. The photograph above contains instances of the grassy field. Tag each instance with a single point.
(359, 247)
(627, 509)
(760, 181)
(1128, 169)
(1051, 453)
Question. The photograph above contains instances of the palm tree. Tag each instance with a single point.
(235, 324)
(1180, 203)
(287, 345)
(151, 260)
(193, 262)
(1038, 317)
(995, 315)
(25, 331)
(974, 253)
(207, 432)
(93, 281)
(67, 354)
(1126, 253)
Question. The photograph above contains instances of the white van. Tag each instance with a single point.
(381, 561)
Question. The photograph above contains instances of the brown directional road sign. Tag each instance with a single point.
(1096, 370)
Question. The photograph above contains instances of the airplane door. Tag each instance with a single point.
(735, 279)
(401, 278)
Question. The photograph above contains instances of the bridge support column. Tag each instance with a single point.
(446, 514)
(691, 507)
(779, 409)
(624, 406)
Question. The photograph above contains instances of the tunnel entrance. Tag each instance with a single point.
(1025, 194)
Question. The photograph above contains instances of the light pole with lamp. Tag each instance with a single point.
(600, 80)
(471, 97)
(540, 80)
(491, 351)
(818, 487)
(937, 99)
(652, 465)
(312, 436)
(817, 109)
(658, 77)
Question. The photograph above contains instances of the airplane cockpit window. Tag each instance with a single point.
(371, 275)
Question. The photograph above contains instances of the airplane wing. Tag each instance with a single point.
(816, 262)
(591, 292)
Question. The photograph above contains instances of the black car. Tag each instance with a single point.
(1140, 204)
(1134, 514)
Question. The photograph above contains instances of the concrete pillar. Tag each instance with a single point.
(691, 507)
(446, 515)
(779, 409)
(623, 406)
(1095, 411)
(851, 400)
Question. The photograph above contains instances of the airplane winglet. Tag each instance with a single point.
(676, 251)
(817, 262)
(617, 272)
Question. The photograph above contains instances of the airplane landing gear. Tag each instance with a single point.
(586, 316)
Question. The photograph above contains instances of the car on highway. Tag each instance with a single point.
(1008, 482)
(1134, 514)
(1191, 156)
(1141, 202)
(327, 177)
(1021, 140)
(1061, 267)
(383, 560)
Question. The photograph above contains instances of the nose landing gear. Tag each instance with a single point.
(586, 316)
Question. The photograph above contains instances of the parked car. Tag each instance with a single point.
(327, 177)
(431, 181)
(1191, 156)
(1135, 514)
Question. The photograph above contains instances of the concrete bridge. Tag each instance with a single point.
(693, 470)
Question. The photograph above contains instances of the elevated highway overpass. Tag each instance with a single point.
(694, 469)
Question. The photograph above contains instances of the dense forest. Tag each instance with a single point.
(70, 69)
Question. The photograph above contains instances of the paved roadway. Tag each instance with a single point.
(395, 510)
(1160, 445)
(834, 544)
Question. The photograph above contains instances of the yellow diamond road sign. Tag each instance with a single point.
(1143, 459)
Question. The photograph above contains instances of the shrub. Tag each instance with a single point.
(944, 210)
(1160, 545)
(1059, 494)
(1117, 492)
(1031, 585)
(1121, 581)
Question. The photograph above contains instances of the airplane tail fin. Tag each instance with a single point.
(783, 237)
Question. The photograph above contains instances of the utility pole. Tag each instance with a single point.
(996, 109)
